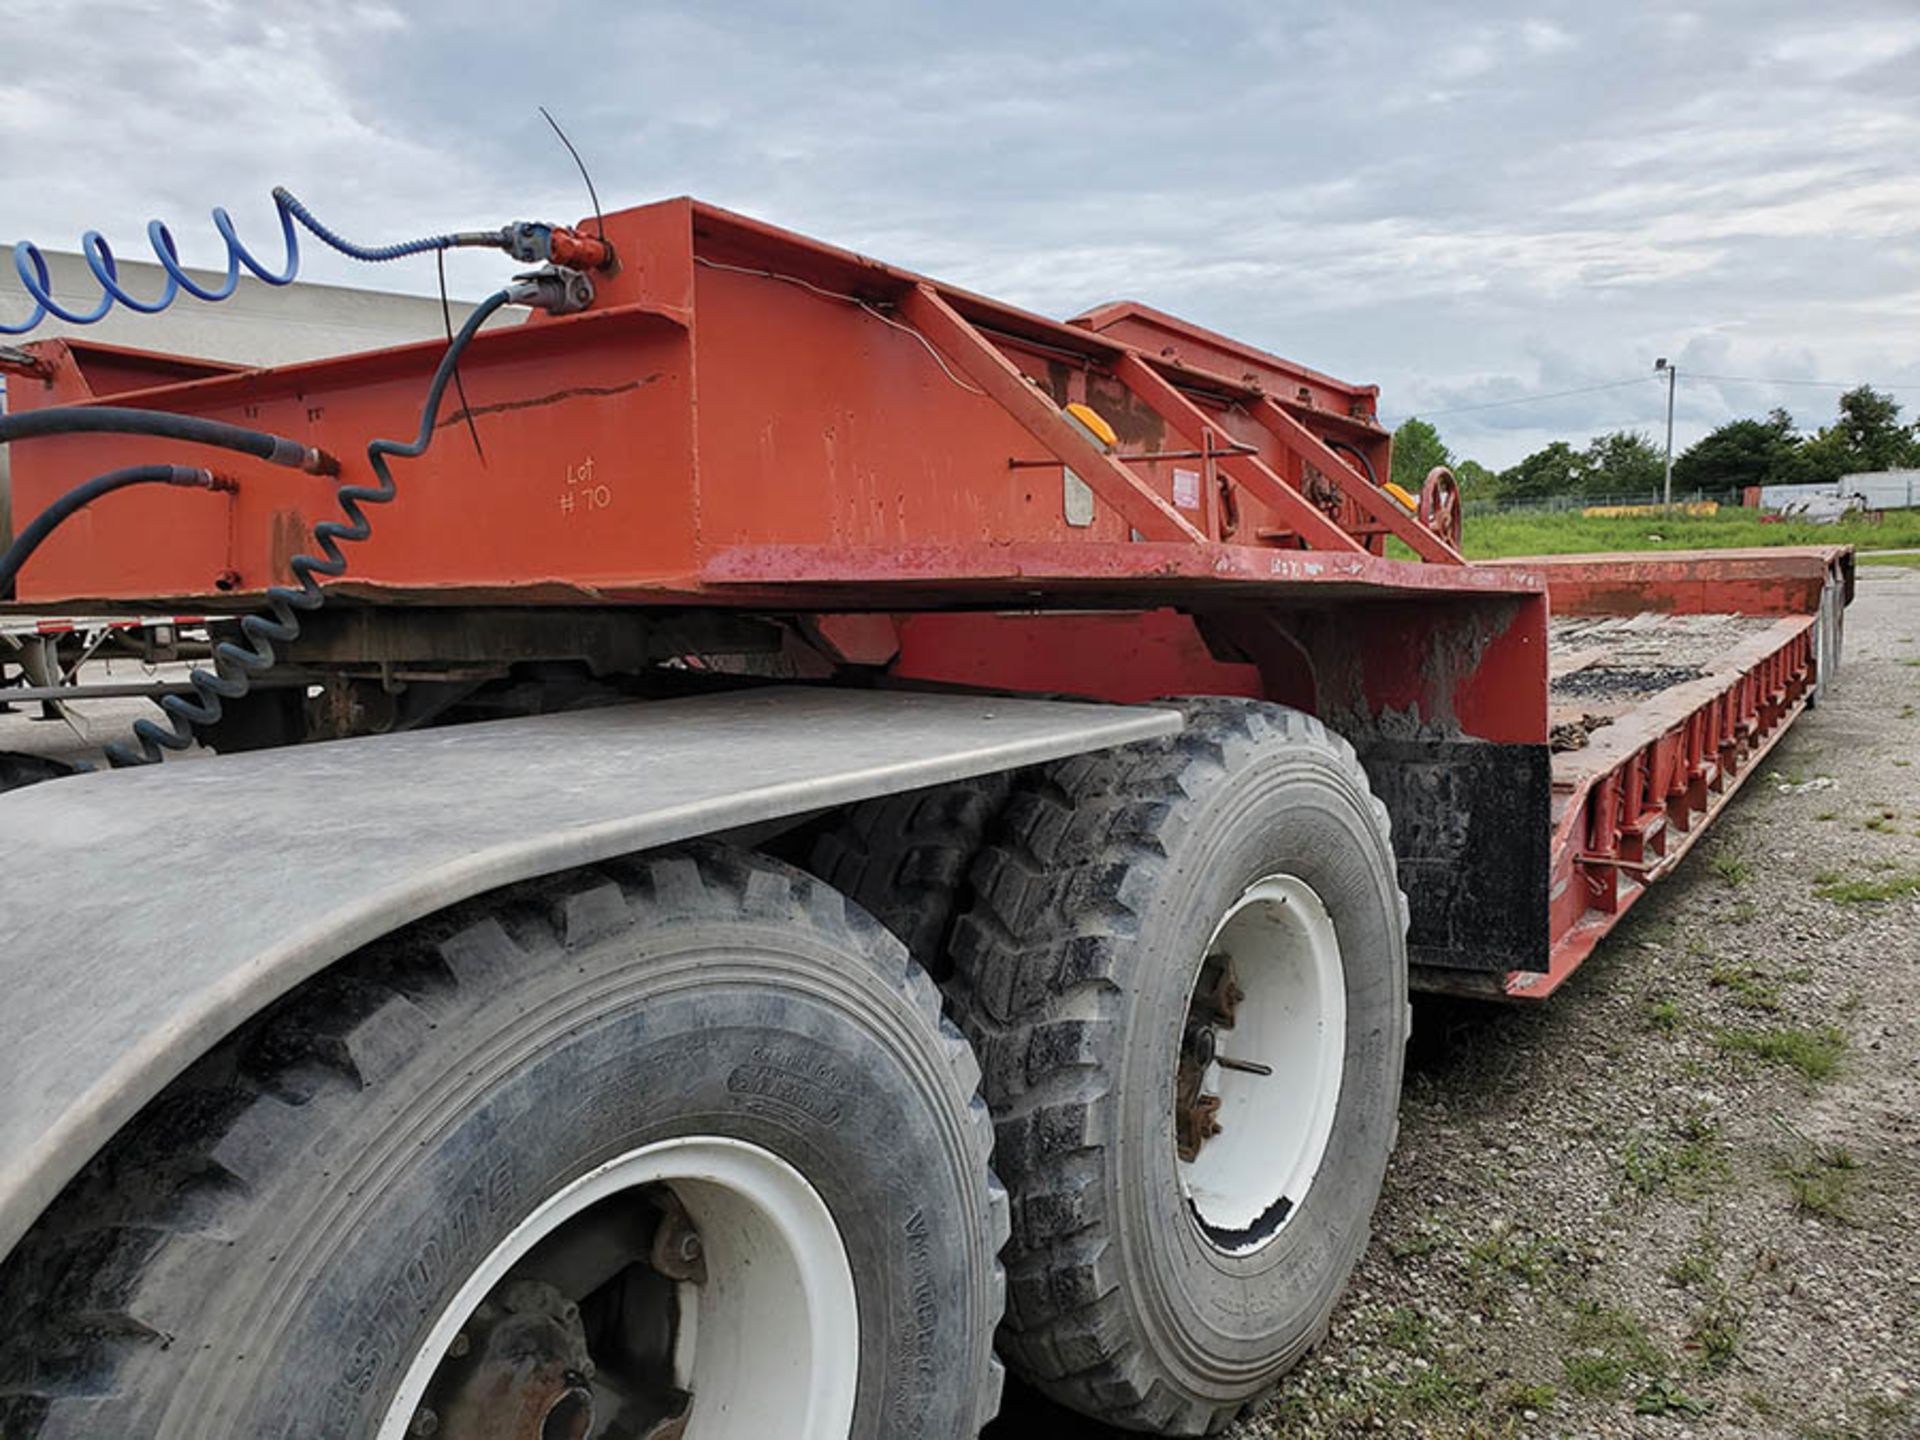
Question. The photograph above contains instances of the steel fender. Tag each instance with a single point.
(146, 913)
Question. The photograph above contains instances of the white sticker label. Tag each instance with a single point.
(1186, 489)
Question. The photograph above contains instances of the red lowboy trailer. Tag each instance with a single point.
(530, 1048)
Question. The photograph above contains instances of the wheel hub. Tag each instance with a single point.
(1260, 1064)
(696, 1282)
(1197, 1114)
(519, 1370)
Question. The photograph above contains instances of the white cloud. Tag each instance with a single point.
(1543, 37)
(1836, 48)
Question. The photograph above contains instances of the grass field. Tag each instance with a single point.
(1491, 536)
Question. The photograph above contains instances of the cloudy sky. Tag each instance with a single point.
(1463, 203)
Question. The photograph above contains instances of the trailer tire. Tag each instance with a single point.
(905, 859)
(274, 1245)
(1138, 1293)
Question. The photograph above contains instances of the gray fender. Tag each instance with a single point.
(144, 914)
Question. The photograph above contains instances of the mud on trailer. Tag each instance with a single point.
(835, 834)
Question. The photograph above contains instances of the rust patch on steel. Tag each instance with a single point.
(290, 535)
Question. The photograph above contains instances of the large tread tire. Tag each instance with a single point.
(906, 859)
(261, 1251)
(1094, 902)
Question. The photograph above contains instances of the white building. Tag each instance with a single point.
(1875, 489)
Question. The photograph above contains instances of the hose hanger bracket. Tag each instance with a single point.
(554, 289)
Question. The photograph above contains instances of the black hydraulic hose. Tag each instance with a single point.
(84, 494)
(162, 425)
(1358, 454)
(235, 665)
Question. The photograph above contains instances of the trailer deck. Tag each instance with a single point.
(1670, 678)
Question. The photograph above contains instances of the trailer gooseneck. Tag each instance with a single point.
(876, 835)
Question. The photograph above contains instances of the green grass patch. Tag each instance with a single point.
(1610, 1346)
(1714, 1340)
(1663, 1397)
(1665, 1016)
(1407, 1329)
(1510, 1254)
(1689, 1160)
(1377, 1401)
(1571, 533)
(1821, 1183)
(1734, 869)
(1868, 558)
(1829, 885)
(1525, 1395)
(1596, 1374)
(1748, 987)
(1698, 1267)
(1815, 1054)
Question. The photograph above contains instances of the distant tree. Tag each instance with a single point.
(1624, 463)
(1870, 423)
(1867, 435)
(1417, 448)
(1556, 470)
(1739, 453)
(1477, 482)
(1822, 459)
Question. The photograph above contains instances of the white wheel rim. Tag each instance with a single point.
(1249, 1180)
(773, 1333)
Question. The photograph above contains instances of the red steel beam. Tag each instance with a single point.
(1766, 581)
(981, 360)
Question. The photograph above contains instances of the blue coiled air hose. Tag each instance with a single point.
(38, 280)
(235, 665)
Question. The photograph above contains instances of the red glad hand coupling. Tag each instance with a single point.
(580, 252)
(539, 243)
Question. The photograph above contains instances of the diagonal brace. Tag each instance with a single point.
(1135, 500)
(1248, 471)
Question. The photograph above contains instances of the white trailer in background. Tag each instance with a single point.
(1828, 500)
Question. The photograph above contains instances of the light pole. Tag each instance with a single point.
(1673, 374)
